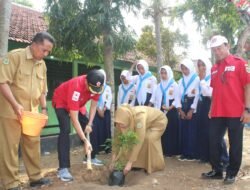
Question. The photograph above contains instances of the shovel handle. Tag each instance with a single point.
(89, 164)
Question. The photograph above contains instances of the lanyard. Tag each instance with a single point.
(125, 92)
(163, 91)
(186, 87)
(149, 74)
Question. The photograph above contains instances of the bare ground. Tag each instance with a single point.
(176, 176)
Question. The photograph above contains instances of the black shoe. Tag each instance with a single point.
(15, 188)
(212, 175)
(40, 182)
(229, 179)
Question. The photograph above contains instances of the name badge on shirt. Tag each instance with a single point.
(131, 97)
(230, 68)
(76, 96)
(149, 86)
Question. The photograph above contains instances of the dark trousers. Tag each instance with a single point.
(63, 144)
(170, 139)
(235, 134)
(104, 130)
(203, 132)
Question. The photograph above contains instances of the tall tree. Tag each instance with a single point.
(156, 11)
(170, 40)
(5, 10)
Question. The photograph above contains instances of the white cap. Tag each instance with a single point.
(217, 41)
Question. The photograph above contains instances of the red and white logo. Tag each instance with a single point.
(98, 84)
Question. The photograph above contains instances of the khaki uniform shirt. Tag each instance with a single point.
(27, 79)
(147, 119)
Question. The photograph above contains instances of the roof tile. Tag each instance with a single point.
(25, 22)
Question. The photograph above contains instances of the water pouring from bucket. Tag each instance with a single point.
(33, 123)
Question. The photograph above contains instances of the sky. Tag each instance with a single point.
(188, 26)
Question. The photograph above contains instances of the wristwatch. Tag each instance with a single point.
(247, 109)
(44, 108)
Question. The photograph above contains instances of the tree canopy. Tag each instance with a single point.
(170, 40)
(79, 27)
(214, 16)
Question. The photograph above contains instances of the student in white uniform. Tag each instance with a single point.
(126, 90)
(145, 83)
(205, 93)
(101, 129)
(103, 110)
(187, 105)
(164, 98)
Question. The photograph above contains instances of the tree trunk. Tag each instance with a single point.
(157, 22)
(109, 69)
(242, 40)
(5, 12)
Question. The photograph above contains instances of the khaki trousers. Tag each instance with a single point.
(10, 138)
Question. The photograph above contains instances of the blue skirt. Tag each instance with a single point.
(188, 132)
(104, 129)
(170, 138)
(203, 128)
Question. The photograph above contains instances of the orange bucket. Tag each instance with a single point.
(32, 123)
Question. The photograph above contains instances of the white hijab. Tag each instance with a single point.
(144, 64)
(207, 63)
(124, 73)
(190, 65)
(170, 75)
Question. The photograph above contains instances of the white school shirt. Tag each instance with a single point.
(192, 91)
(148, 86)
(172, 93)
(130, 96)
(206, 89)
(106, 98)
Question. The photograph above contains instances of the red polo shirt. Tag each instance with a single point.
(73, 94)
(228, 79)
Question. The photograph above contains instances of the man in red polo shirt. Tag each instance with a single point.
(230, 108)
(67, 100)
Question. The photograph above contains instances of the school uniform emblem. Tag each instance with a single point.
(149, 86)
(171, 92)
(193, 91)
(139, 125)
(6, 61)
(75, 96)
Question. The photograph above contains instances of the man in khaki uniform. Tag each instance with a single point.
(149, 124)
(23, 86)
